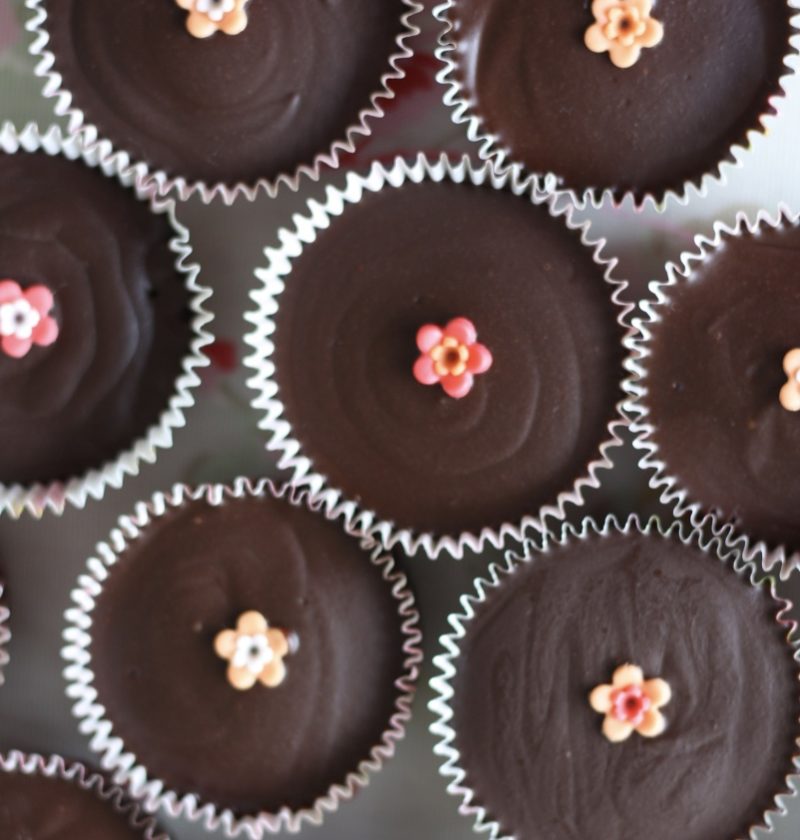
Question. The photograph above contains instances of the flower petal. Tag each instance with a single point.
(790, 396)
(617, 730)
(428, 337)
(653, 33)
(425, 371)
(241, 678)
(600, 698)
(658, 691)
(273, 674)
(9, 291)
(185, 4)
(600, 9)
(791, 361)
(595, 39)
(457, 386)
(278, 642)
(16, 347)
(462, 330)
(251, 623)
(40, 298)
(225, 644)
(643, 7)
(654, 724)
(627, 675)
(624, 56)
(45, 332)
(480, 359)
(234, 23)
(200, 26)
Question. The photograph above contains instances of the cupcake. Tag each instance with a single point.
(50, 799)
(5, 633)
(717, 386)
(256, 679)
(223, 94)
(623, 96)
(439, 353)
(100, 323)
(620, 682)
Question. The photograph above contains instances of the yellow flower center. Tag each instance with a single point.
(450, 357)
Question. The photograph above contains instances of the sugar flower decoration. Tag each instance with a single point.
(631, 704)
(254, 651)
(209, 16)
(25, 318)
(790, 393)
(622, 28)
(451, 356)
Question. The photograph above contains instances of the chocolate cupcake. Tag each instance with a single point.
(620, 682)
(623, 96)
(221, 95)
(257, 678)
(50, 799)
(717, 385)
(456, 376)
(100, 323)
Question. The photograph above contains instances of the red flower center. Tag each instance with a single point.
(630, 704)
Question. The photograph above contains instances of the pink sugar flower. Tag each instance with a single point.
(25, 318)
(451, 356)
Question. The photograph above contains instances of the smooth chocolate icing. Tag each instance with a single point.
(165, 690)
(670, 118)
(122, 313)
(345, 348)
(229, 107)
(714, 378)
(532, 746)
(36, 807)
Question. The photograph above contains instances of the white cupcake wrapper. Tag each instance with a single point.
(672, 492)
(490, 147)
(5, 635)
(162, 183)
(708, 535)
(267, 401)
(56, 767)
(124, 765)
(36, 499)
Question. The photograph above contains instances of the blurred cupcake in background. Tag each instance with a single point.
(223, 95)
(101, 323)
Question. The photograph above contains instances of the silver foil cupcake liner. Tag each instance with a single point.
(671, 491)
(159, 181)
(54, 496)
(5, 635)
(490, 147)
(56, 767)
(709, 536)
(154, 793)
(267, 401)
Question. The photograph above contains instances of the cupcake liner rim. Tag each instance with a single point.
(489, 146)
(267, 401)
(707, 534)
(55, 766)
(159, 182)
(54, 496)
(125, 766)
(671, 491)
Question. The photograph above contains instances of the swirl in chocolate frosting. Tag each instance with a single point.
(226, 108)
(532, 746)
(120, 306)
(345, 348)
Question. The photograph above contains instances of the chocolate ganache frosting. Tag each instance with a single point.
(164, 689)
(345, 352)
(714, 377)
(533, 747)
(119, 308)
(558, 107)
(37, 807)
(228, 107)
